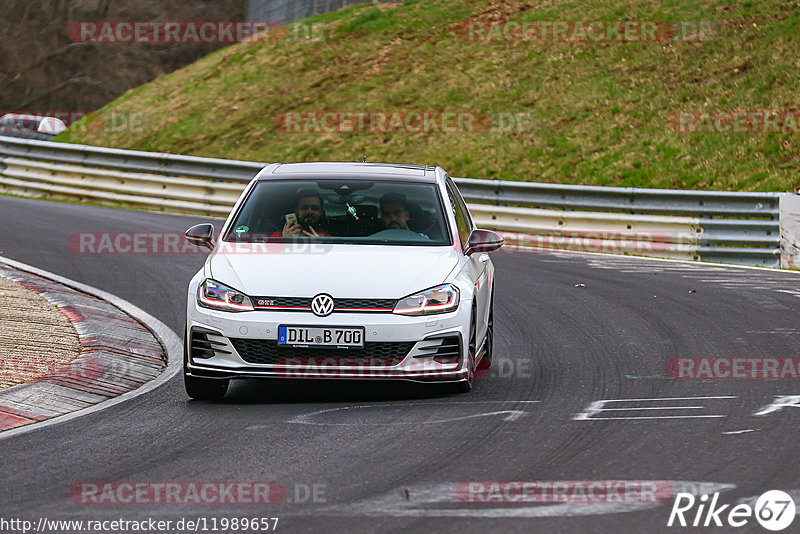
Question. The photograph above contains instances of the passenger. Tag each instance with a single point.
(310, 217)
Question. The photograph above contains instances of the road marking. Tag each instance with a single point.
(613, 261)
(726, 276)
(751, 501)
(777, 332)
(599, 406)
(647, 417)
(744, 281)
(780, 402)
(304, 419)
(649, 377)
(733, 432)
(670, 398)
(658, 408)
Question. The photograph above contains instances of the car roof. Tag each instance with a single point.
(351, 170)
(23, 116)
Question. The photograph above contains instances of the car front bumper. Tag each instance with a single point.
(423, 349)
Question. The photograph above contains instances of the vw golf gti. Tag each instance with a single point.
(353, 271)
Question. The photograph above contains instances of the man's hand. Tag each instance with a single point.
(312, 233)
(291, 229)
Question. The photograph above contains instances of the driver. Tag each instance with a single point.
(395, 214)
(394, 211)
(310, 214)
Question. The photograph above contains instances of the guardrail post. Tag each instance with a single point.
(790, 231)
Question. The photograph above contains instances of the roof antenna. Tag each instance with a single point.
(365, 159)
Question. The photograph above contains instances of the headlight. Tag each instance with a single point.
(221, 297)
(439, 299)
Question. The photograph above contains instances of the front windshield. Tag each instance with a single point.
(338, 210)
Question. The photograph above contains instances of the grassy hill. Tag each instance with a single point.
(593, 112)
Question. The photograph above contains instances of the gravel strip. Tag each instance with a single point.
(35, 337)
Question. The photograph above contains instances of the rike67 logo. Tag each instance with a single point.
(774, 510)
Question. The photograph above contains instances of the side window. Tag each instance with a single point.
(459, 211)
(463, 204)
(30, 124)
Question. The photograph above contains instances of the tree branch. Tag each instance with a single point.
(66, 83)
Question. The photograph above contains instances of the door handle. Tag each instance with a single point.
(483, 258)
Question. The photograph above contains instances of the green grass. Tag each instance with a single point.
(594, 112)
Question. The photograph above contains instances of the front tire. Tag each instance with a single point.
(207, 389)
(465, 386)
(486, 360)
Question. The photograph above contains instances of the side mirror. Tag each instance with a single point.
(200, 235)
(483, 241)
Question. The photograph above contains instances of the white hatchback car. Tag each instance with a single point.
(355, 271)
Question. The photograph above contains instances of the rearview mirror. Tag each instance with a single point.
(200, 235)
(483, 241)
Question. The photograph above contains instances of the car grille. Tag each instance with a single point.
(263, 351)
(375, 304)
(281, 302)
(339, 305)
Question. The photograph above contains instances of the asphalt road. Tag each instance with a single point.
(389, 460)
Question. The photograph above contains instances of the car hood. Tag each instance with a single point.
(343, 271)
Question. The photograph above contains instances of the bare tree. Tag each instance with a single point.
(42, 69)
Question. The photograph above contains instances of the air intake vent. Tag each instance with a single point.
(204, 345)
(443, 350)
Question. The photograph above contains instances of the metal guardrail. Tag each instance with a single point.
(622, 199)
(139, 190)
(725, 227)
(130, 160)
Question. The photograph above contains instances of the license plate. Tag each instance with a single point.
(315, 336)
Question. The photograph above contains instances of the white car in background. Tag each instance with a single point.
(353, 271)
(31, 126)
